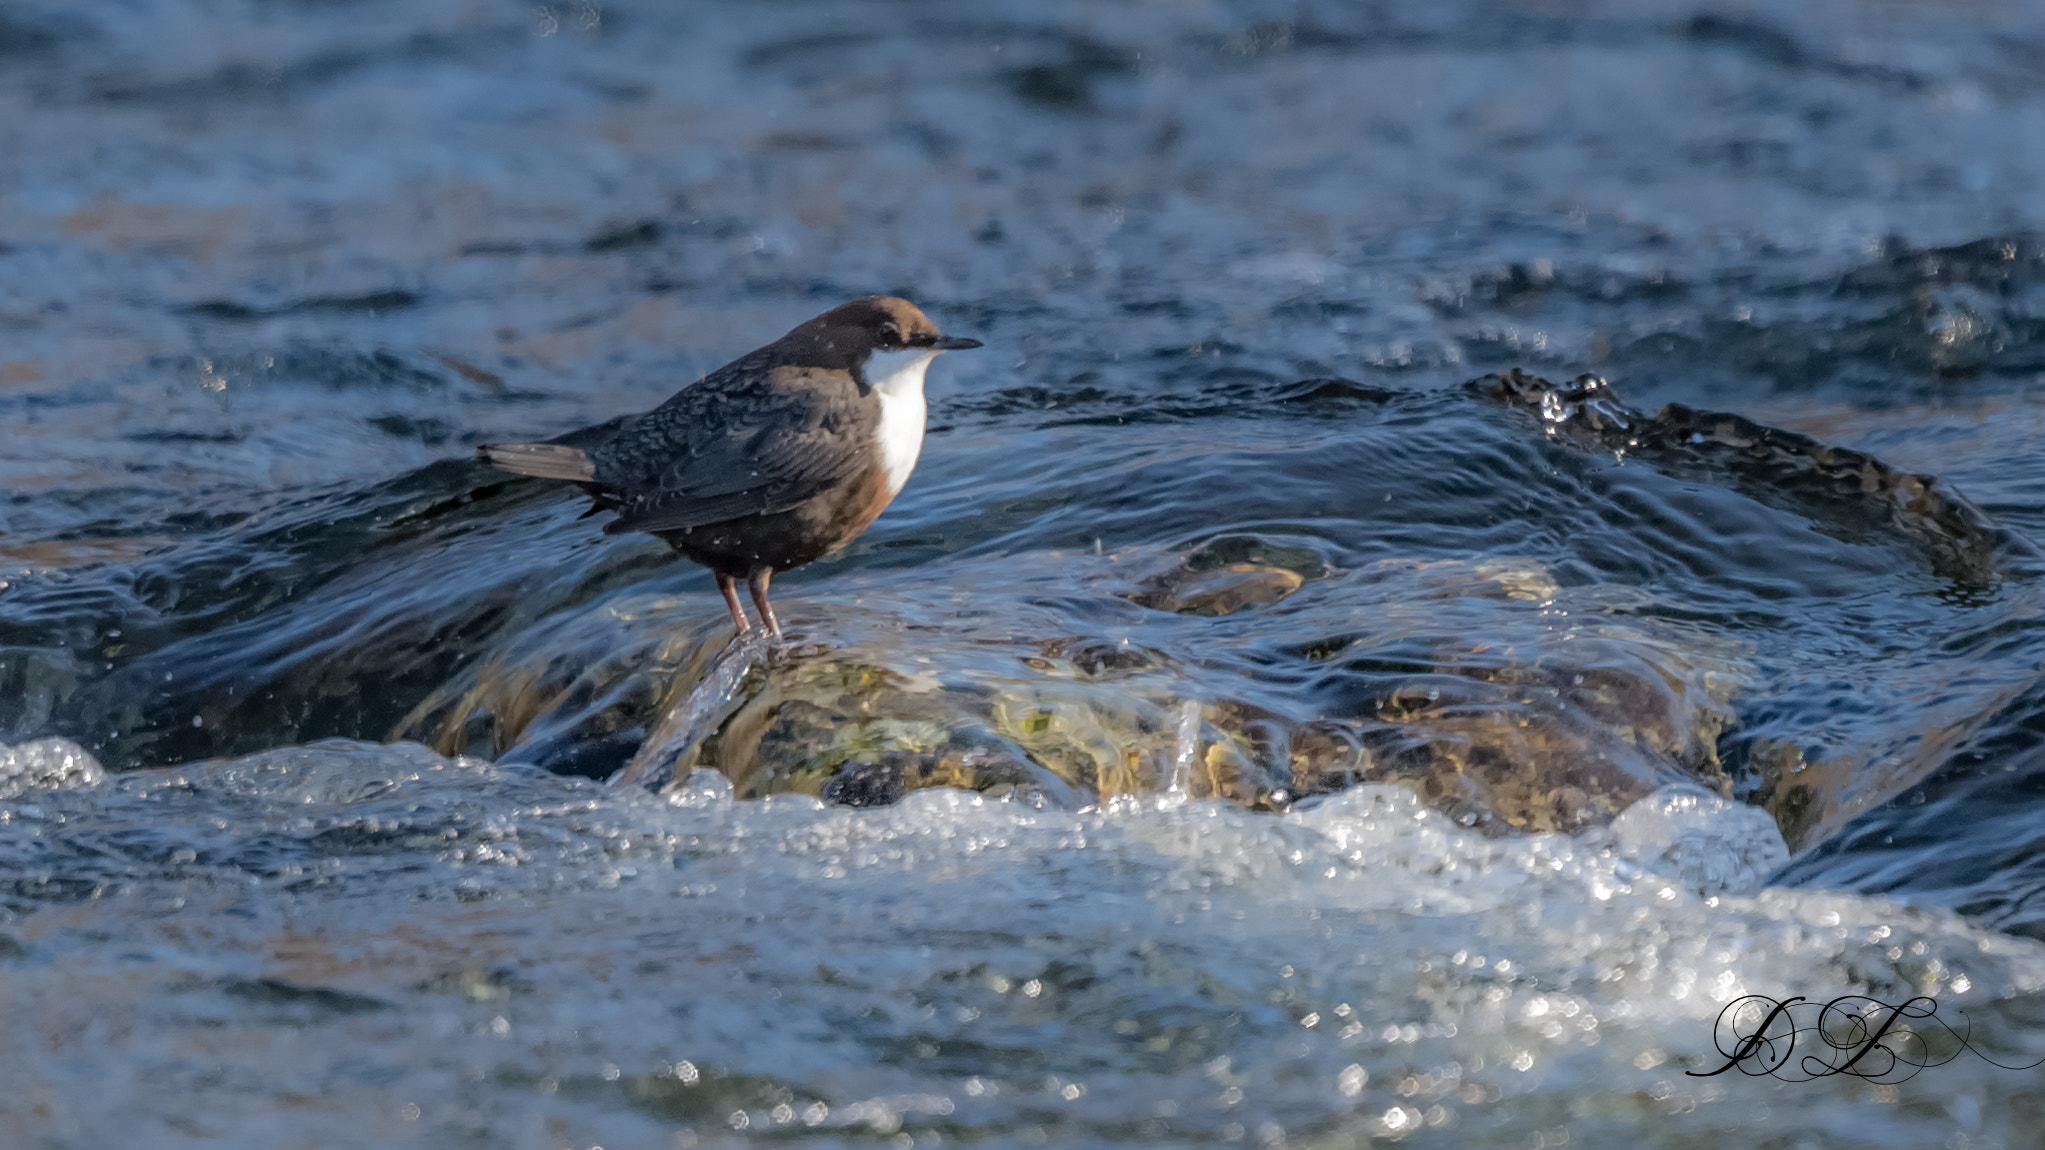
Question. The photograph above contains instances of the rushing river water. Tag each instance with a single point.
(1291, 705)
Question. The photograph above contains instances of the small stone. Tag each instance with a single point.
(1222, 591)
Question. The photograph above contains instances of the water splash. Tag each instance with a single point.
(695, 715)
(1179, 787)
(46, 764)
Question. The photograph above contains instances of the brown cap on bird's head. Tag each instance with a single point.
(876, 323)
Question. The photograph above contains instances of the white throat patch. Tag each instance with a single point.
(897, 377)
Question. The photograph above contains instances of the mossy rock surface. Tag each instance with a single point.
(1484, 687)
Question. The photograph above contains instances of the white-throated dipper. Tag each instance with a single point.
(779, 457)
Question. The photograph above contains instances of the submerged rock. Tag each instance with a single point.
(1548, 715)
(1229, 574)
(1484, 688)
(1527, 630)
(1223, 591)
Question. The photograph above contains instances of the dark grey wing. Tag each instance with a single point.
(725, 453)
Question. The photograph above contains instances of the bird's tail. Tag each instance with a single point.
(544, 460)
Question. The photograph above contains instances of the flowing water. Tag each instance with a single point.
(1482, 533)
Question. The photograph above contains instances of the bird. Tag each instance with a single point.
(780, 457)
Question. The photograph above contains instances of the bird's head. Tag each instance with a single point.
(881, 323)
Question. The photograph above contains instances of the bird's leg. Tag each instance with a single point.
(758, 585)
(729, 586)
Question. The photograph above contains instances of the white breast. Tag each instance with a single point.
(897, 377)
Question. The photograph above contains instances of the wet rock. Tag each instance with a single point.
(1093, 656)
(874, 784)
(1485, 688)
(1222, 591)
(1301, 560)
(1229, 574)
(816, 721)
(1505, 745)
(1800, 789)
(1850, 491)
(884, 780)
(1526, 733)
(1507, 691)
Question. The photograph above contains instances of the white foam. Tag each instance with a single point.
(46, 764)
(955, 965)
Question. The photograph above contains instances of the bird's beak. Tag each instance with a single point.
(955, 343)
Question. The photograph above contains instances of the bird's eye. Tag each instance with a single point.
(890, 334)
